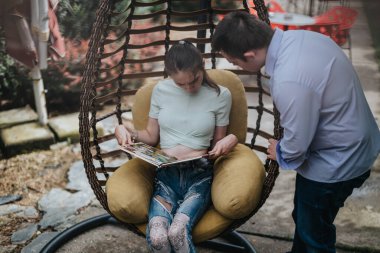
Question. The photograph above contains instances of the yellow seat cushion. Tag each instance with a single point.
(236, 190)
(129, 191)
(238, 176)
(237, 184)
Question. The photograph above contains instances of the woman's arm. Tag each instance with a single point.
(219, 133)
(150, 135)
(222, 144)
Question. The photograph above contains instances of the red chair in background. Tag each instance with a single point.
(329, 29)
(274, 6)
(345, 17)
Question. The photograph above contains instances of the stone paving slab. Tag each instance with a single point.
(17, 116)
(25, 138)
(66, 127)
(19, 135)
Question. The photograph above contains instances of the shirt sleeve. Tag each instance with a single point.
(154, 103)
(299, 109)
(223, 108)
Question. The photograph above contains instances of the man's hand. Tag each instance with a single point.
(122, 135)
(223, 146)
(272, 149)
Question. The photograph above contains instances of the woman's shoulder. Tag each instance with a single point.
(163, 85)
(224, 91)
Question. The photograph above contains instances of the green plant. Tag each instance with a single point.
(76, 17)
(60, 96)
(16, 88)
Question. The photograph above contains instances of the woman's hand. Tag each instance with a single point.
(223, 146)
(272, 149)
(123, 136)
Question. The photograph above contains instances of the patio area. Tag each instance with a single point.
(270, 230)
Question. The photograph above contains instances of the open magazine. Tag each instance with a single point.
(154, 155)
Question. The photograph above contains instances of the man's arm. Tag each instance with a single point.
(299, 108)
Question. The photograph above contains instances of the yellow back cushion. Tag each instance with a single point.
(238, 114)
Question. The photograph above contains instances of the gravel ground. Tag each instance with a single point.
(31, 176)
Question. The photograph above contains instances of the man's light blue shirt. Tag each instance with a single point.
(330, 134)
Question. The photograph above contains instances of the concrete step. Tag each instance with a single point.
(20, 132)
(17, 116)
(25, 137)
(65, 127)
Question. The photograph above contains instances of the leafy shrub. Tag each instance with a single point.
(62, 78)
(16, 88)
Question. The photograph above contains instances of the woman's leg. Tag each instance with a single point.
(195, 203)
(157, 238)
(161, 207)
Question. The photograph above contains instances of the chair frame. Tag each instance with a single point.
(90, 138)
(328, 29)
(345, 17)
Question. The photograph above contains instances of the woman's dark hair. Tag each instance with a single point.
(240, 32)
(184, 56)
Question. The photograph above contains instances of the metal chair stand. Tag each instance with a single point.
(231, 242)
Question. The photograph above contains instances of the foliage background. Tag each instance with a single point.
(62, 78)
(14, 81)
(16, 90)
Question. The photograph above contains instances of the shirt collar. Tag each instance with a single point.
(273, 48)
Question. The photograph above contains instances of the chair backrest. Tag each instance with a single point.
(342, 15)
(238, 114)
(329, 29)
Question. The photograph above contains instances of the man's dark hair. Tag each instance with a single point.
(240, 32)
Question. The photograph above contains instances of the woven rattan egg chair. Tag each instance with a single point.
(127, 52)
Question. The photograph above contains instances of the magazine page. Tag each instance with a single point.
(153, 155)
(185, 160)
(148, 153)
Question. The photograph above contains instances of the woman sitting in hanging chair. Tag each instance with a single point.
(189, 115)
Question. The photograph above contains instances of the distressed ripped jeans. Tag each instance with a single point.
(182, 193)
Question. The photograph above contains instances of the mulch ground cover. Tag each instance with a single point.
(31, 176)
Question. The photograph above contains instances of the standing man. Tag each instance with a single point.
(330, 135)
